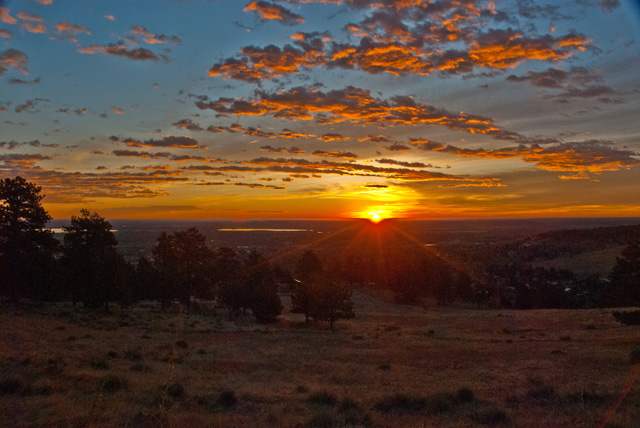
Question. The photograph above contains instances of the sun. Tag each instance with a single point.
(375, 216)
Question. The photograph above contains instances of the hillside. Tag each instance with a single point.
(391, 366)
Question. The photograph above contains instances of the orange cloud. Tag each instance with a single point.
(343, 155)
(6, 17)
(153, 39)
(350, 104)
(591, 156)
(269, 11)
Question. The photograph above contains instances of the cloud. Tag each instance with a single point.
(335, 154)
(353, 105)
(608, 5)
(69, 31)
(333, 137)
(154, 38)
(13, 58)
(82, 187)
(187, 124)
(270, 11)
(45, 2)
(292, 150)
(139, 54)
(303, 166)
(22, 160)
(412, 38)
(26, 16)
(16, 81)
(29, 106)
(592, 156)
(117, 110)
(144, 155)
(182, 142)
(401, 163)
(110, 17)
(10, 145)
(397, 147)
(577, 82)
(287, 133)
(6, 17)
(5, 33)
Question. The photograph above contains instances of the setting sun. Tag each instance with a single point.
(375, 217)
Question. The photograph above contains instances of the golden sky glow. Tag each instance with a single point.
(323, 108)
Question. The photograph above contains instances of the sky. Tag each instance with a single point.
(242, 109)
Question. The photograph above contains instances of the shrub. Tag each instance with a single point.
(634, 356)
(322, 398)
(223, 401)
(227, 399)
(182, 344)
(401, 403)
(628, 317)
(323, 420)
(99, 363)
(133, 355)
(10, 385)
(174, 390)
(489, 416)
(113, 383)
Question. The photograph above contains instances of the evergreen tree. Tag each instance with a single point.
(26, 247)
(97, 272)
(182, 260)
(332, 299)
(624, 288)
(309, 272)
(262, 287)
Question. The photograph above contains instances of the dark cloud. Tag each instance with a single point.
(401, 163)
(292, 150)
(15, 81)
(13, 58)
(335, 154)
(608, 5)
(187, 124)
(29, 106)
(182, 142)
(138, 54)
(397, 147)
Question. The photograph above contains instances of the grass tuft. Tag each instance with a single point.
(322, 398)
(10, 385)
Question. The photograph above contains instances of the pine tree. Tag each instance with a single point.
(24, 242)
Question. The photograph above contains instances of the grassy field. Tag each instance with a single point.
(391, 366)
(599, 262)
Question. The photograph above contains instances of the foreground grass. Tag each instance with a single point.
(392, 366)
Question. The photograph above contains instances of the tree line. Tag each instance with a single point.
(86, 267)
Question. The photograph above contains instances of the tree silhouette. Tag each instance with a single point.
(97, 271)
(227, 273)
(24, 242)
(182, 260)
(309, 273)
(320, 294)
(263, 289)
(624, 289)
(332, 299)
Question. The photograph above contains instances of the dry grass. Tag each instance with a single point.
(452, 368)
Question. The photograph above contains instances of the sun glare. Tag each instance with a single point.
(375, 217)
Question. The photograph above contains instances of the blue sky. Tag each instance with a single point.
(323, 108)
